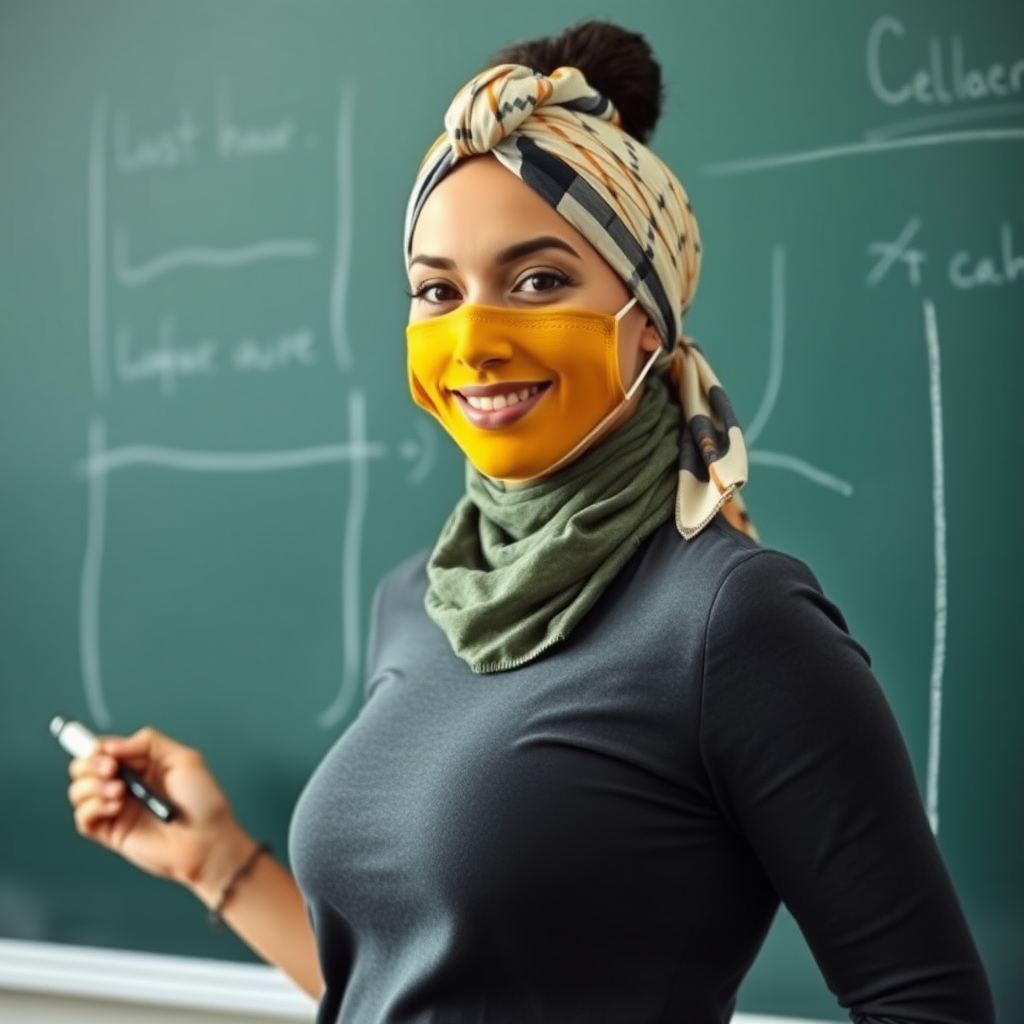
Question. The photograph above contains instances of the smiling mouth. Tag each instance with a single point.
(491, 406)
(495, 401)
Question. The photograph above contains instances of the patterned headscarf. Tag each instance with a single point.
(564, 139)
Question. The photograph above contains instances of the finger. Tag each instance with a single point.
(95, 814)
(101, 765)
(144, 745)
(139, 765)
(152, 755)
(92, 788)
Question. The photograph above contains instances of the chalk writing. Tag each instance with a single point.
(292, 349)
(945, 77)
(185, 139)
(945, 82)
(899, 251)
(235, 140)
(120, 145)
(163, 149)
(966, 269)
(969, 270)
(167, 359)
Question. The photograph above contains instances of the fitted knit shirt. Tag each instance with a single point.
(605, 834)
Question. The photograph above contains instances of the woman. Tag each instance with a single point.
(605, 731)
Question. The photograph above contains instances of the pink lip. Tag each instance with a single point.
(494, 419)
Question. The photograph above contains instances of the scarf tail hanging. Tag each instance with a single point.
(712, 451)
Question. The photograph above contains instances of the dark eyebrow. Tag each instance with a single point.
(509, 255)
(437, 262)
(532, 245)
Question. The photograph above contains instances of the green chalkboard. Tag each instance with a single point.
(208, 455)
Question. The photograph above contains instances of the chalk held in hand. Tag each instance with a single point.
(78, 741)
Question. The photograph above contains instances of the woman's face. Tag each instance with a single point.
(485, 238)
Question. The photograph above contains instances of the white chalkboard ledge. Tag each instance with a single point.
(150, 978)
(184, 982)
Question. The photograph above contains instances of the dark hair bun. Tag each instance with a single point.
(618, 63)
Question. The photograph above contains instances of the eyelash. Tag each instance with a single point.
(420, 294)
(560, 279)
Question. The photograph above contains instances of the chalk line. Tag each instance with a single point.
(898, 128)
(343, 234)
(941, 608)
(867, 147)
(776, 346)
(208, 258)
(350, 564)
(96, 202)
(780, 460)
(227, 462)
(89, 594)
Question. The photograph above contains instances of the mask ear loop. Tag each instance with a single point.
(650, 362)
(643, 373)
(626, 308)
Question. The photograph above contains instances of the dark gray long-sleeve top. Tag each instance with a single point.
(605, 834)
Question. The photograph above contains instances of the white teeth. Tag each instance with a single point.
(494, 403)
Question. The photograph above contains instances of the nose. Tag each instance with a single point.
(481, 345)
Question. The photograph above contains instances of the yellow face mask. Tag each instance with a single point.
(521, 391)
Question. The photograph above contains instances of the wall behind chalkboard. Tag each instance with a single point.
(208, 455)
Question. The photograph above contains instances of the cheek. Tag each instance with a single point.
(426, 355)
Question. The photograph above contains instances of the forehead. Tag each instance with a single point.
(481, 208)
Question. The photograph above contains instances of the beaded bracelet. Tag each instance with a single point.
(241, 871)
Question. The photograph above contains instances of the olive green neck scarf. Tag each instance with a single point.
(517, 567)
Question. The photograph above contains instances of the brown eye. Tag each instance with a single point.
(542, 281)
(436, 293)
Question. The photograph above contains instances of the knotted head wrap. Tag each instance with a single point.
(565, 140)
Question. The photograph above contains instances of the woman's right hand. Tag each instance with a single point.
(196, 848)
(202, 847)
